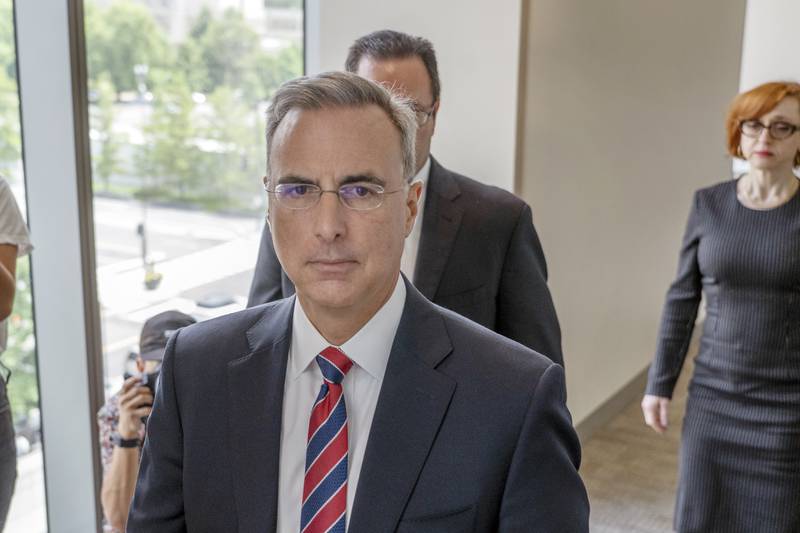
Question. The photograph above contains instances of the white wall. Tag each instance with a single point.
(477, 45)
(624, 110)
(770, 46)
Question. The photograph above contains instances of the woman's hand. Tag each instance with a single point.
(656, 409)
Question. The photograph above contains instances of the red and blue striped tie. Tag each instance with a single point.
(325, 484)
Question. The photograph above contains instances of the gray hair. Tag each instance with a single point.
(343, 89)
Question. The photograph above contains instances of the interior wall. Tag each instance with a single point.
(624, 106)
(477, 46)
(769, 51)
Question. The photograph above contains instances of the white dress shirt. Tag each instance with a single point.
(411, 246)
(369, 350)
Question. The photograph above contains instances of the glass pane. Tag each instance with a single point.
(28, 510)
(177, 94)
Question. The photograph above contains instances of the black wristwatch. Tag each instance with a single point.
(117, 440)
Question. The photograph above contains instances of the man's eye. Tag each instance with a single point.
(358, 191)
(295, 191)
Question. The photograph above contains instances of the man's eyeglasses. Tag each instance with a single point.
(423, 115)
(361, 196)
(777, 130)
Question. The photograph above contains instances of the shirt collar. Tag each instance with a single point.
(423, 173)
(369, 348)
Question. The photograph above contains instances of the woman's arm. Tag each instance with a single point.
(8, 283)
(680, 311)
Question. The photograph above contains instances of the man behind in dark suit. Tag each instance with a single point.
(357, 405)
(475, 250)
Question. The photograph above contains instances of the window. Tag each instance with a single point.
(177, 94)
(27, 512)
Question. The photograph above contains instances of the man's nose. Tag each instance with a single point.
(329, 215)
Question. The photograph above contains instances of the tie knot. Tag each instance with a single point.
(334, 364)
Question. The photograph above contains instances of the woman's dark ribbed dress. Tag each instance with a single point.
(740, 450)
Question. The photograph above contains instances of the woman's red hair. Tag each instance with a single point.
(755, 103)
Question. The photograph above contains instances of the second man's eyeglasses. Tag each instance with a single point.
(423, 115)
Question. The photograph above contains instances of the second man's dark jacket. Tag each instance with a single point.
(479, 255)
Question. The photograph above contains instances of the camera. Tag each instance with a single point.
(149, 380)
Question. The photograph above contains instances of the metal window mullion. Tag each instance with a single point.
(51, 70)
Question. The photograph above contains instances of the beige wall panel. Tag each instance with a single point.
(623, 118)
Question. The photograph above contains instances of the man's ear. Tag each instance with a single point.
(139, 364)
(265, 180)
(412, 203)
(434, 115)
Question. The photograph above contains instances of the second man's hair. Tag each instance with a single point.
(390, 44)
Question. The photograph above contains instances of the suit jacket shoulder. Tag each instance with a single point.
(483, 202)
(480, 256)
(218, 341)
(465, 420)
(490, 194)
(477, 349)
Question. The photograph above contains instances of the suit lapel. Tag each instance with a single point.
(413, 400)
(440, 222)
(255, 396)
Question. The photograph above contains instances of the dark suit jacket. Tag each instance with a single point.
(471, 432)
(479, 256)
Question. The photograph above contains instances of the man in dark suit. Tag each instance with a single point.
(357, 405)
(475, 250)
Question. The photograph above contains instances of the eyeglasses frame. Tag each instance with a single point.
(427, 114)
(768, 127)
(320, 191)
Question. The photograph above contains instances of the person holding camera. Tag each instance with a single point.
(122, 419)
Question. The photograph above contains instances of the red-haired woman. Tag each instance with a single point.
(740, 450)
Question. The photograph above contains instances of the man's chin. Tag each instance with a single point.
(328, 293)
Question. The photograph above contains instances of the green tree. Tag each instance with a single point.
(105, 161)
(273, 70)
(9, 98)
(120, 36)
(226, 52)
(234, 137)
(168, 162)
(229, 50)
(20, 354)
(7, 55)
(201, 153)
(9, 124)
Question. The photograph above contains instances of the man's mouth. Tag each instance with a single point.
(332, 265)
